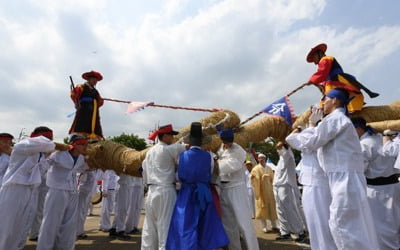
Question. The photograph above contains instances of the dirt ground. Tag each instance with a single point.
(98, 240)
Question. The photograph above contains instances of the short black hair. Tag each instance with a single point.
(41, 129)
(7, 135)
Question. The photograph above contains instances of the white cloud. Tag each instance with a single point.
(213, 54)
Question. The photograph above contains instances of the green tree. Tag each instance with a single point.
(131, 141)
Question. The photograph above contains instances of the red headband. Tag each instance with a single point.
(164, 130)
(48, 134)
(80, 142)
(3, 138)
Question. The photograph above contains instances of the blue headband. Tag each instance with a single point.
(338, 94)
(226, 133)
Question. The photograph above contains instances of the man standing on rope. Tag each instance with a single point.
(87, 103)
(330, 75)
(159, 175)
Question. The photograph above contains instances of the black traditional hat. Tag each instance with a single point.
(196, 137)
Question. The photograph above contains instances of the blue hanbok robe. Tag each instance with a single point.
(195, 223)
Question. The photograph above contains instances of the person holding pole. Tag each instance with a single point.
(87, 103)
(330, 75)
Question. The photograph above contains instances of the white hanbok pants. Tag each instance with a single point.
(58, 229)
(159, 206)
(316, 200)
(18, 205)
(350, 219)
(37, 221)
(288, 209)
(236, 217)
(384, 201)
(84, 198)
(122, 201)
(251, 199)
(107, 206)
(132, 220)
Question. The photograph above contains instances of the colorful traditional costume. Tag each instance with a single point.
(87, 103)
(330, 75)
(195, 223)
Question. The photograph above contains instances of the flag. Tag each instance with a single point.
(281, 107)
(137, 106)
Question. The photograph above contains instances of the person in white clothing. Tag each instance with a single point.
(43, 188)
(135, 207)
(21, 180)
(287, 195)
(250, 192)
(236, 214)
(316, 195)
(87, 182)
(123, 199)
(5, 151)
(340, 156)
(58, 229)
(159, 169)
(383, 187)
(108, 187)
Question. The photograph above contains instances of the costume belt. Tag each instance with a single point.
(86, 99)
(379, 181)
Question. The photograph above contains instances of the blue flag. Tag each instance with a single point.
(281, 107)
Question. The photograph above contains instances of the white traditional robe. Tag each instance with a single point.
(316, 196)
(58, 229)
(236, 215)
(340, 156)
(287, 194)
(21, 180)
(384, 200)
(159, 174)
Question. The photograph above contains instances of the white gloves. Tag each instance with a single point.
(316, 115)
(389, 132)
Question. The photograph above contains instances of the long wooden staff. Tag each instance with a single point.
(165, 106)
(260, 112)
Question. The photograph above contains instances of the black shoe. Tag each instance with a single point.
(121, 235)
(134, 231)
(284, 237)
(112, 232)
(33, 239)
(82, 236)
(301, 239)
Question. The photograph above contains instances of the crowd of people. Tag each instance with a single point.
(198, 199)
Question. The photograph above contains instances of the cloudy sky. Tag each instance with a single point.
(233, 54)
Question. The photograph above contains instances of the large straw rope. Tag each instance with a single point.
(111, 155)
(383, 125)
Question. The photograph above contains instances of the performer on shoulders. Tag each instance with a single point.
(330, 75)
(87, 103)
